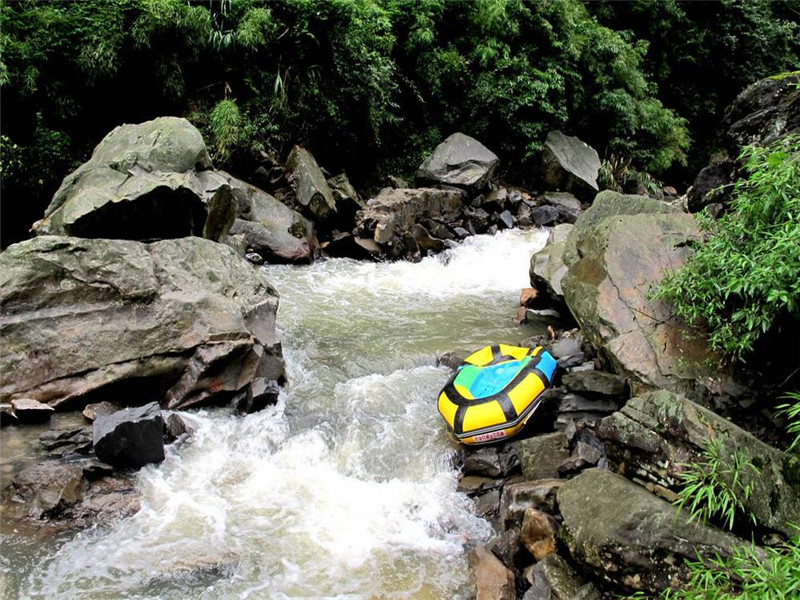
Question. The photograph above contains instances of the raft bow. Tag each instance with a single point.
(494, 393)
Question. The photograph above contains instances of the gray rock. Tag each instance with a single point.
(545, 215)
(597, 383)
(270, 228)
(93, 469)
(487, 505)
(571, 165)
(395, 212)
(621, 257)
(183, 321)
(506, 219)
(547, 268)
(567, 205)
(153, 180)
(765, 111)
(519, 497)
(260, 394)
(47, 488)
(461, 161)
(610, 204)
(660, 433)
(61, 442)
(424, 240)
(706, 187)
(627, 536)
(311, 188)
(348, 200)
(132, 437)
(489, 461)
(553, 578)
(175, 426)
(28, 410)
(583, 457)
(540, 455)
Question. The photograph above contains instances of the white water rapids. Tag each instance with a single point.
(347, 487)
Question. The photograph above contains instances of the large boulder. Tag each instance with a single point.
(631, 538)
(184, 321)
(311, 189)
(547, 265)
(461, 161)
(619, 258)
(658, 434)
(571, 165)
(152, 180)
(278, 233)
(765, 111)
(390, 218)
(131, 437)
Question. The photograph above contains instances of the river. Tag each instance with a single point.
(344, 489)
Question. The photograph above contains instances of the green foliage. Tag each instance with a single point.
(375, 84)
(744, 278)
(226, 127)
(791, 411)
(714, 489)
(771, 573)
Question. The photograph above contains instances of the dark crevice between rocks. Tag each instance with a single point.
(163, 213)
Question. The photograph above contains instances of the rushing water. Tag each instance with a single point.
(347, 487)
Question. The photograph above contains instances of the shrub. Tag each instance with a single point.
(743, 280)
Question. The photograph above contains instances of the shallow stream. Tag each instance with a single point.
(347, 487)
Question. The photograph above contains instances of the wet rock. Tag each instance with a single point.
(493, 580)
(622, 257)
(475, 484)
(261, 393)
(570, 403)
(506, 219)
(540, 455)
(310, 186)
(100, 409)
(553, 578)
(460, 161)
(94, 469)
(152, 180)
(478, 218)
(706, 187)
(132, 437)
(640, 543)
(567, 205)
(583, 457)
(7, 416)
(487, 505)
(519, 497)
(62, 442)
(28, 410)
(659, 433)
(47, 488)
(184, 321)
(547, 266)
(539, 533)
(566, 348)
(394, 213)
(507, 547)
(175, 426)
(489, 461)
(425, 241)
(545, 215)
(568, 164)
(271, 230)
(598, 383)
(107, 498)
(254, 257)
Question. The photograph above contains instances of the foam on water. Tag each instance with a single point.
(347, 487)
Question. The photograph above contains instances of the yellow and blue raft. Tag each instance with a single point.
(494, 393)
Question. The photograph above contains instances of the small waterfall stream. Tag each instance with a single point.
(344, 489)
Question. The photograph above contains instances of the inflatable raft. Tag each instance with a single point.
(493, 394)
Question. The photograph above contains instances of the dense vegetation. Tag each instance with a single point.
(743, 283)
(371, 85)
